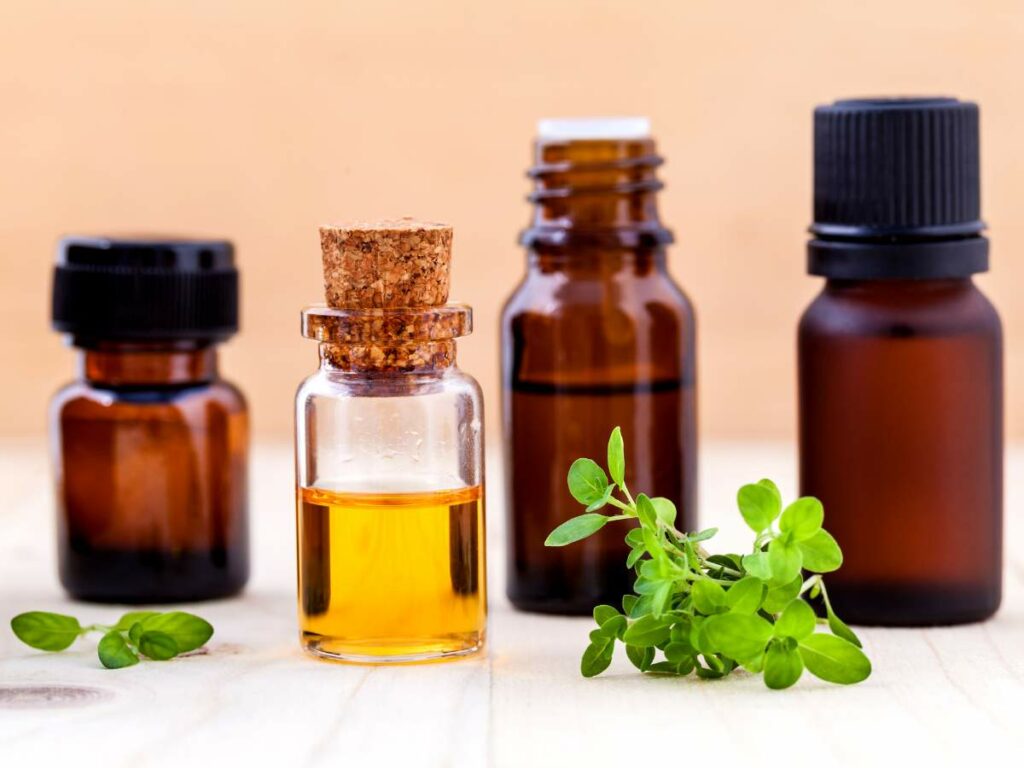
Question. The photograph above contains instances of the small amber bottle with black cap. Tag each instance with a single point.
(900, 360)
(150, 444)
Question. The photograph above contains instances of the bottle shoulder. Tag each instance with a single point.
(82, 398)
(901, 307)
(557, 294)
(331, 384)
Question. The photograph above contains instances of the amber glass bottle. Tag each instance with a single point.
(150, 445)
(901, 365)
(597, 335)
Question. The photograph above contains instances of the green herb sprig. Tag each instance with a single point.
(711, 614)
(157, 636)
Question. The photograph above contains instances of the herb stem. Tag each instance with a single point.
(618, 504)
(629, 496)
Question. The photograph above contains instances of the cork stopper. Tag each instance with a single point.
(386, 264)
(386, 286)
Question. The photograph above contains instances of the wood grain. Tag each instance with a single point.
(939, 696)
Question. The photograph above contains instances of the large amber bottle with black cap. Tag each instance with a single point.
(597, 335)
(149, 443)
(900, 364)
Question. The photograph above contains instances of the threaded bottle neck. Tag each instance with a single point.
(595, 192)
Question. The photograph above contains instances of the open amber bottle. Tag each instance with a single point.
(597, 335)
(150, 444)
(901, 382)
(389, 456)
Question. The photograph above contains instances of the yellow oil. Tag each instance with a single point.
(391, 576)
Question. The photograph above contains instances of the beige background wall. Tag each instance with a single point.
(259, 120)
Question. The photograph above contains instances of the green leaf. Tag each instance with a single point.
(646, 512)
(785, 560)
(614, 627)
(780, 596)
(676, 652)
(833, 659)
(647, 631)
(160, 646)
(187, 630)
(603, 500)
(587, 481)
(839, 628)
(704, 535)
(739, 636)
(135, 632)
(114, 652)
(797, 621)
(628, 601)
(641, 657)
(837, 625)
(127, 620)
(759, 505)
(746, 595)
(665, 510)
(663, 668)
(708, 597)
(821, 553)
(660, 598)
(802, 519)
(576, 528)
(46, 631)
(617, 457)
(604, 612)
(653, 545)
(773, 488)
(596, 658)
(634, 556)
(642, 607)
(782, 666)
(758, 565)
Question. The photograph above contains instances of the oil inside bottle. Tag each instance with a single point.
(574, 579)
(391, 576)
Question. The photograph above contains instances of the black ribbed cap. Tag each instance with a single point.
(897, 171)
(896, 166)
(145, 288)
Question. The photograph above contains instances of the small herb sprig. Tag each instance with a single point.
(157, 636)
(711, 614)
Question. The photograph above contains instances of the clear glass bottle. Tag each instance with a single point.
(150, 444)
(597, 335)
(390, 498)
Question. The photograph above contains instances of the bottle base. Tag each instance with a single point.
(912, 605)
(392, 650)
(147, 577)
(559, 607)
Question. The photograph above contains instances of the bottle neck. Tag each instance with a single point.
(597, 193)
(895, 288)
(597, 262)
(148, 364)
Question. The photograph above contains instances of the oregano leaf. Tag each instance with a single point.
(587, 481)
(617, 457)
(576, 528)
(46, 631)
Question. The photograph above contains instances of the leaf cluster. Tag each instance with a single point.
(693, 612)
(157, 636)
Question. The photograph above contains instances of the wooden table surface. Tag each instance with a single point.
(938, 696)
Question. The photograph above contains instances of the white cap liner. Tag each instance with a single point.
(570, 128)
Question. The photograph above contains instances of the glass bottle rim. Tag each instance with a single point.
(358, 325)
